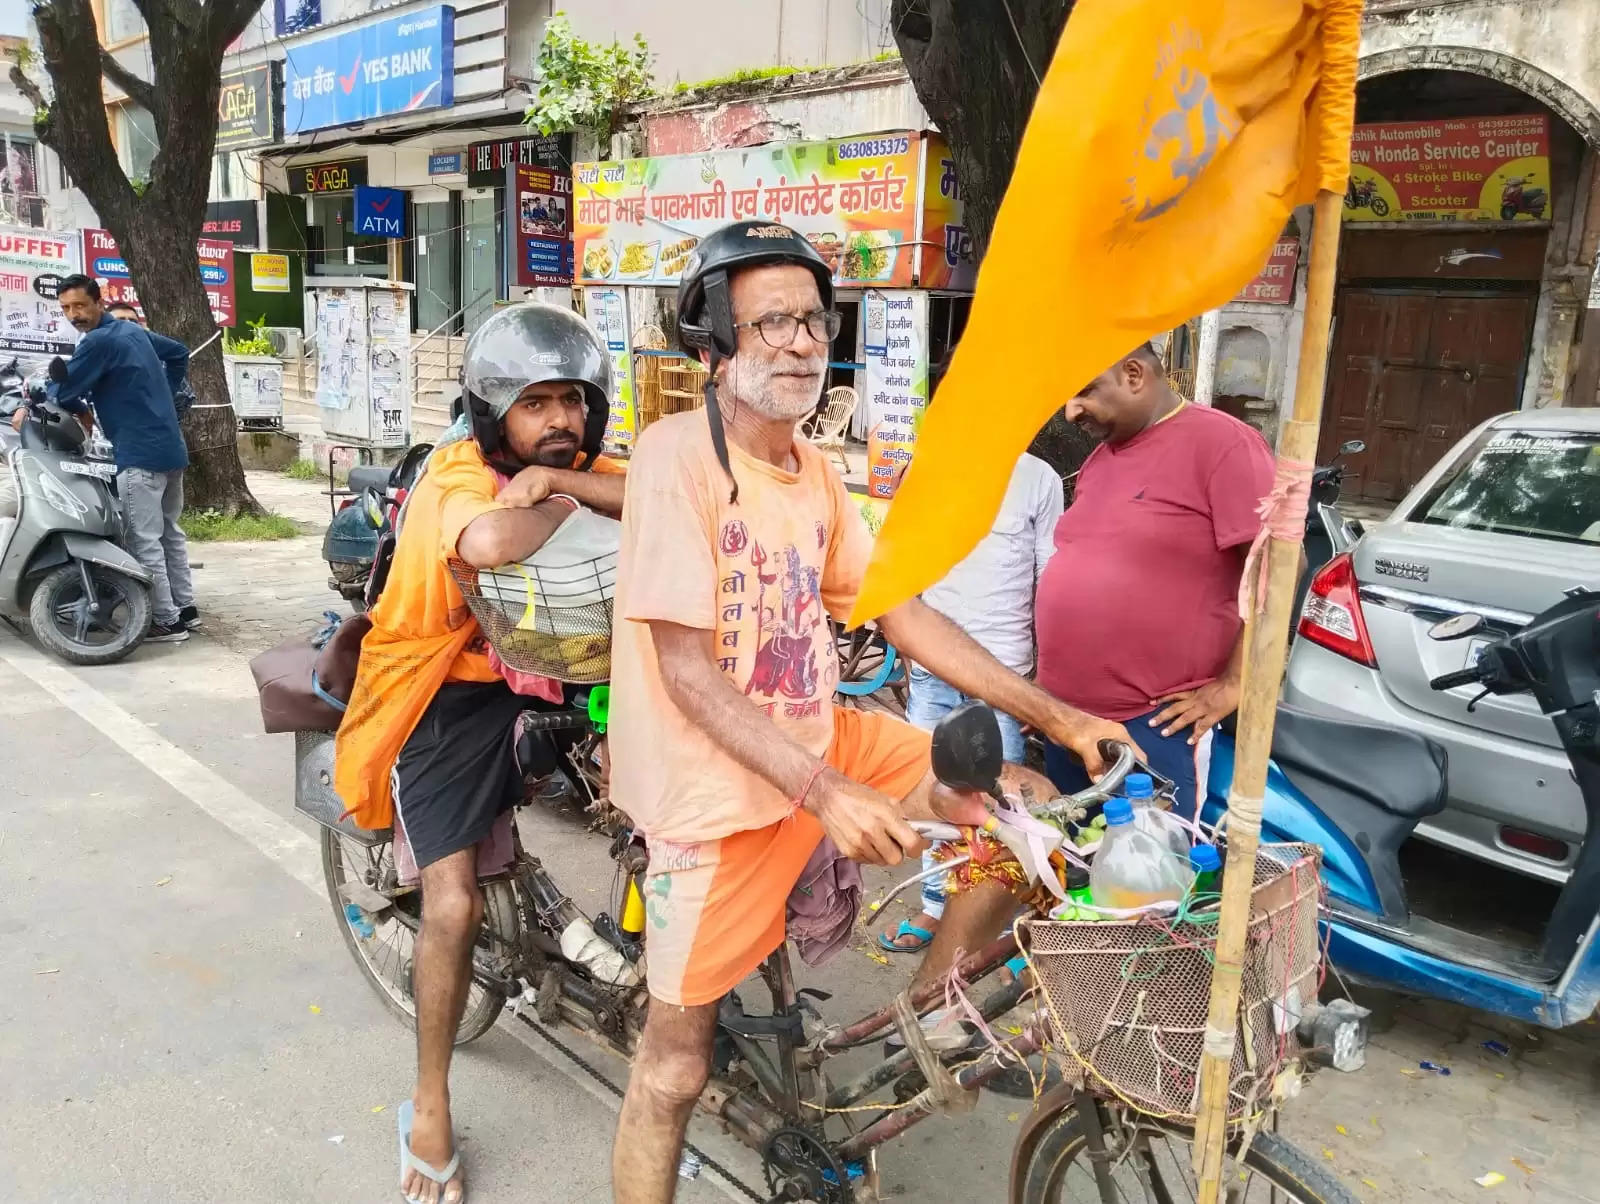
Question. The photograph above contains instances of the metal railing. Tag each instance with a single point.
(418, 346)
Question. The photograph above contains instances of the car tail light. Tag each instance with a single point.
(1332, 614)
(1524, 841)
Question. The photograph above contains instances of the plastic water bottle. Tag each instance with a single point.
(1140, 789)
(1134, 867)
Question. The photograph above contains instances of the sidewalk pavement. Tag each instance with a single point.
(1519, 1101)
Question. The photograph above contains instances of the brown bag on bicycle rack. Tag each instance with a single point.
(304, 683)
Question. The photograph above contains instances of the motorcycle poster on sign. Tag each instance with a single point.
(32, 264)
(103, 260)
(1474, 169)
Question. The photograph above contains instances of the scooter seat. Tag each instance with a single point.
(1335, 761)
(369, 476)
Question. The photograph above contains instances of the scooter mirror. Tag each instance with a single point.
(1353, 447)
(1456, 627)
(967, 749)
(372, 507)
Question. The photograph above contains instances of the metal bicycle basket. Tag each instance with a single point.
(1129, 999)
(550, 614)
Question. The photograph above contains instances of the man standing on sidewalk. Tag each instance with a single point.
(131, 374)
(989, 595)
(1138, 612)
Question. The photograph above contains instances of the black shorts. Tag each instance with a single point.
(458, 772)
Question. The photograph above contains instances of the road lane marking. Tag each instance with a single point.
(274, 837)
(290, 849)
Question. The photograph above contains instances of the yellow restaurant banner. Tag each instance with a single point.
(855, 199)
(1164, 154)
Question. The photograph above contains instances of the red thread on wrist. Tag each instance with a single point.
(800, 799)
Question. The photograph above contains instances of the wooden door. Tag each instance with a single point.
(1411, 371)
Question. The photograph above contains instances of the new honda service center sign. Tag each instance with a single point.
(396, 66)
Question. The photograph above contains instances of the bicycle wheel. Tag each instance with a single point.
(384, 944)
(1150, 1162)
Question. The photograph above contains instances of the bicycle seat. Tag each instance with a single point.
(369, 476)
(1337, 762)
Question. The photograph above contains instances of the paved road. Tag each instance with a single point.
(180, 1021)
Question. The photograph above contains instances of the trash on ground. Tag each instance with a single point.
(1498, 1047)
(164, 881)
(1490, 1179)
(1435, 1068)
(315, 1010)
(337, 1139)
(1522, 1166)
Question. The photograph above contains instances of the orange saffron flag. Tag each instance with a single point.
(1164, 154)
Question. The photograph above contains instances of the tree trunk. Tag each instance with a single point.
(156, 222)
(977, 77)
(167, 275)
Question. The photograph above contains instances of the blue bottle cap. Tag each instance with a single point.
(1119, 811)
(1139, 785)
(1204, 859)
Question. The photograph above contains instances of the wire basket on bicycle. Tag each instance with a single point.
(1129, 999)
(551, 613)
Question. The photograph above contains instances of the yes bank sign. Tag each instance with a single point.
(380, 212)
(402, 65)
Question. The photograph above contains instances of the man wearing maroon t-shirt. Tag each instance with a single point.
(1138, 611)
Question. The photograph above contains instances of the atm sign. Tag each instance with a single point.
(342, 176)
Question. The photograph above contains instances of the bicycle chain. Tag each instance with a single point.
(593, 1072)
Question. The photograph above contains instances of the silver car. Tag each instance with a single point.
(1502, 526)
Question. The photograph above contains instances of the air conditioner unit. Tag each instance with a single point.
(287, 341)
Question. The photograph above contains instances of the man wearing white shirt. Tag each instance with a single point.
(989, 595)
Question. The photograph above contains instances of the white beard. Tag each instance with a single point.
(755, 383)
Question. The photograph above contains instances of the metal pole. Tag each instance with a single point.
(1266, 638)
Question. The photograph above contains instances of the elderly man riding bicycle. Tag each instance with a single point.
(738, 541)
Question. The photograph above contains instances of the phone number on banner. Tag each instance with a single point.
(874, 148)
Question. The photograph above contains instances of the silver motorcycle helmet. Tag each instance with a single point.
(531, 343)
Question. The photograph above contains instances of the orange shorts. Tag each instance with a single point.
(716, 909)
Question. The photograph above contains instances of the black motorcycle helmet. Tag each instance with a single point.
(528, 344)
(705, 303)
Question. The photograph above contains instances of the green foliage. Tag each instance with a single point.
(304, 470)
(584, 85)
(750, 75)
(204, 526)
(255, 343)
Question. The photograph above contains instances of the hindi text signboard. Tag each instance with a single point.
(855, 200)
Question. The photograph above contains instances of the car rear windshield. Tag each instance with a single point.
(1544, 485)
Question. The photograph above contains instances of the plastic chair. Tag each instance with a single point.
(828, 428)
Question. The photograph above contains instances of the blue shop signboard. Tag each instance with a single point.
(447, 163)
(380, 212)
(400, 65)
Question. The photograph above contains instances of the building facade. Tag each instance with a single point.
(1466, 281)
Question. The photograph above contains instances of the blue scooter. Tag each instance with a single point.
(1360, 790)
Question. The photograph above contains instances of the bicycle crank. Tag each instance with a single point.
(799, 1165)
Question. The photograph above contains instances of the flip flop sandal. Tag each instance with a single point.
(406, 1116)
(907, 928)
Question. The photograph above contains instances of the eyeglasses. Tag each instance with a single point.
(779, 330)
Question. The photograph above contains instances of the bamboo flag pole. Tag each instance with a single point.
(1266, 645)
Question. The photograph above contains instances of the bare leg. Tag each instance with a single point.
(972, 919)
(669, 1072)
(452, 910)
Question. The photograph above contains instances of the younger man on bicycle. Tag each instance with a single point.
(727, 750)
(427, 738)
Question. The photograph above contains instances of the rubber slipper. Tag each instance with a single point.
(406, 1117)
(907, 928)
